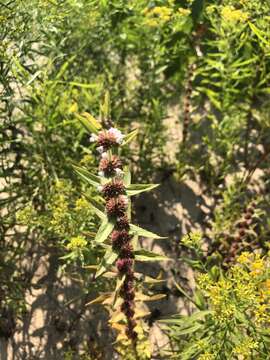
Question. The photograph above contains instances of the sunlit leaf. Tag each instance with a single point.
(89, 122)
(134, 189)
(129, 137)
(87, 176)
(104, 230)
(145, 233)
(99, 299)
(147, 255)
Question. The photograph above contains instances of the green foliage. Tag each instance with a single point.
(234, 321)
(58, 59)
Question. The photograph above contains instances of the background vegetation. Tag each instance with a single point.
(193, 77)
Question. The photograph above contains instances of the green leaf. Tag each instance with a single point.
(147, 255)
(189, 330)
(135, 189)
(99, 299)
(127, 176)
(104, 230)
(87, 176)
(89, 122)
(186, 321)
(142, 232)
(108, 259)
(72, 255)
(129, 137)
(258, 33)
(105, 107)
(96, 207)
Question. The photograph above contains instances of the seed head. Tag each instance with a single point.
(248, 216)
(117, 206)
(127, 251)
(127, 308)
(122, 223)
(131, 334)
(109, 167)
(124, 265)
(119, 238)
(242, 233)
(128, 285)
(113, 189)
(127, 295)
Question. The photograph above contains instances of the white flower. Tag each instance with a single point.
(100, 149)
(99, 188)
(119, 172)
(119, 137)
(104, 155)
(125, 199)
(101, 173)
(93, 138)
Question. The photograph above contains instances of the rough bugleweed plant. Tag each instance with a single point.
(117, 235)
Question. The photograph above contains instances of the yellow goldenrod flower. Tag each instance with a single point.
(257, 267)
(207, 356)
(245, 348)
(193, 239)
(81, 204)
(230, 14)
(157, 16)
(244, 258)
(77, 243)
(184, 12)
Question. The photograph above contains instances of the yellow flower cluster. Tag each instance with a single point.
(81, 205)
(76, 243)
(193, 239)
(158, 15)
(246, 286)
(26, 215)
(245, 348)
(255, 264)
(230, 14)
(207, 356)
(184, 12)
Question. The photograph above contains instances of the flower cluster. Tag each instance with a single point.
(110, 167)
(107, 139)
(158, 15)
(243, 229)
(245, 288)
(230, 14)
(77, 243)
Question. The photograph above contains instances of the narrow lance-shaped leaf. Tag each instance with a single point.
(258, 33)
(105, 107)
(104, 230)
(127, 176)
(99, 211)
(143, 297)
(87, 176)
(89, 122)
(129, 137)
(99, 299)
(185, 321)
(135, 189)
(145, 233)
(108, 259)
(147, 255)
